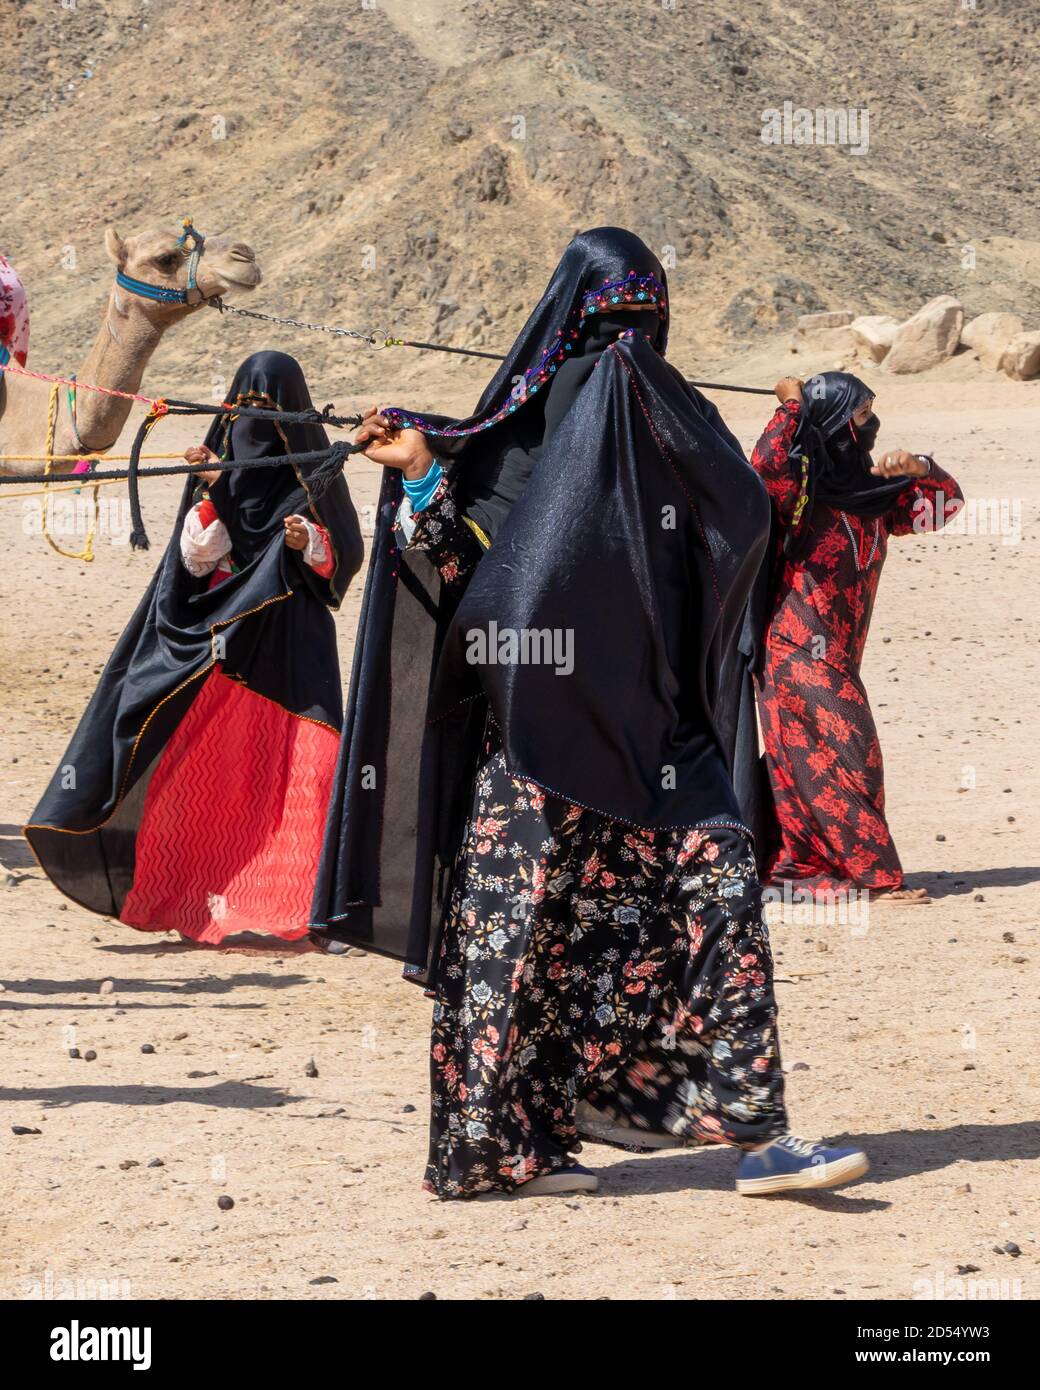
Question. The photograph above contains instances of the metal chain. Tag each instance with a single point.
(370, 338)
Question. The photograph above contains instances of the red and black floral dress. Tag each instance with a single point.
(821, 744)
(584, 960)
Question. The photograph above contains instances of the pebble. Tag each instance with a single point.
(129, 1163)
(969, 1066)
(73, 1052)
(800, 1066)
(24, 1129)
(147, 1047)
(90, 1055)
(940, 837)
(1012, 1249)
(534, 1297)
(979, 898)
(356, 951)
(156, 1163)
(179, 1037)
(964, 1189)
(407, 1109)
(822, 946)
(225, 1203)
(969, 1269)
(310, 1069)
(427, 1297)
(324, 1279)
(1008, 936)
(106, 987)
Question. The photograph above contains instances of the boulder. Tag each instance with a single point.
(927, 338)
(873, 334)
(809, 323)
(989, 335)
(1021, 358)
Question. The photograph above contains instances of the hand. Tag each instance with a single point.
(789, 388)
(394, 448)
(898, 463)
(198, 453)
(296, 534)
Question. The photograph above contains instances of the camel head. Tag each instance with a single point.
(160, 261)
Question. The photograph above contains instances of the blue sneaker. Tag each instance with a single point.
(791, 1164)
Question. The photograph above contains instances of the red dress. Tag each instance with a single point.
(234, 815)
(821, 744)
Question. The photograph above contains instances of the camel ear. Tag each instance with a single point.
(115, 246)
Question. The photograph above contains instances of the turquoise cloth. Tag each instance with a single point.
(420, 491)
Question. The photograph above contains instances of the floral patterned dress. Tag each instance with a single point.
(821, 744)
(581, 959)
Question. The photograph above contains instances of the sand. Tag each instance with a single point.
(914, 1033)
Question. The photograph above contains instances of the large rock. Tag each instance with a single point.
(989, 335)
(1021, 358)
(874, 334)
(928, 338)
(811, 323)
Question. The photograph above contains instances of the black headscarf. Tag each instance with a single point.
(604, 272)
(254, 502)
(835, 455)
(636, 526)
(268, 626)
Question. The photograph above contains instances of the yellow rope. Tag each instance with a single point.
(50, 490)
(87, 553)
(81, 458)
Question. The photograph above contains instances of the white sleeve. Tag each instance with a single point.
(405, 521)
(316, 552)
(203, 547)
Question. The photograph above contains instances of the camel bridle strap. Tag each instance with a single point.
(162, 294)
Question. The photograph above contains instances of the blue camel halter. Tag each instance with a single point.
(160, 293)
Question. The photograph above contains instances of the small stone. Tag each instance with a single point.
(106, 987)
(156, 1163)
(24, 1129)
(534, 1298)
(964, 1189)
(310, 1069)
(179, 1037)
(1012, 1249)
(978, 898)
(968, 1269)
(940, 838)
(74, 1052)
(1008, 936)
(225, 1203)
(407, 1109)
(428, 1297)
(968, 1066)
(129, 1163)
(822, 946)
(324, 1279)
(195, 1075)
(800, 1066)
(90, 1055)
(147, 1048)
(356, 951)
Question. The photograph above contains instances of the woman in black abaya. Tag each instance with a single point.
(201, 769)
(600, 962)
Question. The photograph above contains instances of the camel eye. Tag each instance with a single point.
(169, 262)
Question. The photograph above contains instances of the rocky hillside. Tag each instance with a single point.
(419, 164)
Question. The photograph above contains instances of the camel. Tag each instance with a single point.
(129, 334)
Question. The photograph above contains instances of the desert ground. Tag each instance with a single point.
(912, 1031)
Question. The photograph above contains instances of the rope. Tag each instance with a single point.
(78, 458)
(87, 553)
(79, 385)
(378, 340)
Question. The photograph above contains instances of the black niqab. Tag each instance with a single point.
(838, 454)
